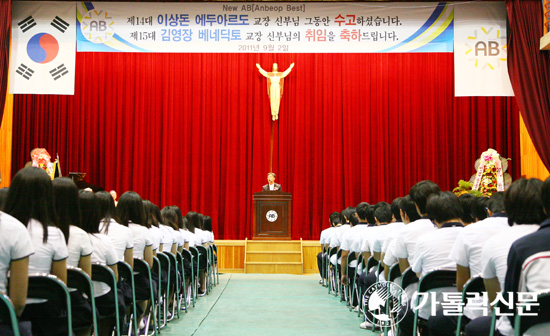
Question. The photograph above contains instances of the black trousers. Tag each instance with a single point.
(322, 270)
(441, 325)
(480, 326)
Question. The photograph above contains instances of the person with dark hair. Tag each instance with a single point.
(479, 208)
(183, 228)
(336, 239)
(199, 232)
(408, 213)
(67, 208)
(432, 251)
(467, 201)
(524, 207)
(30, 200)
(207, 226)
(271, 185)
(103, 253)
(79, 246)
(193, 222)
(370, 214)
(152, 226)
(120, 235)
(406, 240)
(16, 248)
(351, 243)
(169, 218)
(334, 220)
(395, 210)
(131, 214)
(466, 253)
(3, 197)
(170, 239)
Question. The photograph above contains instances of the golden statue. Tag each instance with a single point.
(275, 82)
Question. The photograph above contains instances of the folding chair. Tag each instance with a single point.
(187, 255)
(393, 274)
(7, 314)
(196, 255)
(183, 288)
(346, 288)
(432, 280)
(211, 269)
(126, 274)
(163, 291)
(355, 288)
(523, 323)
(474, 285)
(142, 267)
(176, 286)
(104, 274)
(80, 280)
(203, 251)
(215, 258)
(48, 287)
(407, 278)
(331, 271)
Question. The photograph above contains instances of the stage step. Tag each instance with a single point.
(273, 256)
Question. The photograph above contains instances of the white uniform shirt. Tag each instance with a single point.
(336, 239)
(105, 254)
(121, 236)
(367, 234)
(79, 245)
(406, 240)
(432, 250)
(156, 236)
(54, 249)
(389, 256)
(142, 238)
(385, 231)
(203, 236)
(191, 236)
(468, 245)
(494, 256)
(329, 233)
(15, 244)
(168, 237)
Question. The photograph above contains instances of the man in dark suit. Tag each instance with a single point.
(271, 185)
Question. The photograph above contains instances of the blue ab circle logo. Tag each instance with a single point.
(42, 48)
(384, 300)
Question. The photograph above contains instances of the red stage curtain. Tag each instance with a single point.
(194, 130)
(529, 70)
(5, 24)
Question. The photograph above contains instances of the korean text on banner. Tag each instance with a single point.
(266, 27)
(481, 50)
(43, 47)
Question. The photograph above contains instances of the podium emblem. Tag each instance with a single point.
(271, 215)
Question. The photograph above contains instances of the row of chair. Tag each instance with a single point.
(45, 287)
(432, 280)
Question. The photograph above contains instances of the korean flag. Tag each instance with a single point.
(43, 47)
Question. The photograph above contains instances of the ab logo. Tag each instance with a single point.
(488, 48)
(96, 26)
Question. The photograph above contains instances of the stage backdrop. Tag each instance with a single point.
(193, 130)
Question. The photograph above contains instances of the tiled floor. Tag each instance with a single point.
(261, 304)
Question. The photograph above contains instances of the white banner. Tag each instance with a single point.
(265, 27)
(480, 54)
(43, 51)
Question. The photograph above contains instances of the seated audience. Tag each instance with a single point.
(30, 200)
(334, 220)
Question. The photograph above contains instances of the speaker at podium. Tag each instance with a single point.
(272, 210)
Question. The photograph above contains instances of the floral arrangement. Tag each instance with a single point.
(489, 176)
(465, 187)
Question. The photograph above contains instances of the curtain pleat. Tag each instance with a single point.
(194, 130)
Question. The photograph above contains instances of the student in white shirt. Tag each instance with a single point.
(15, 249)
(409, 214)
(30, 200)
(169, 217)
(120, 235)
(406, 240)
(79, 246)
(152, 225)
(466, 253)
(432, 249)
(103, 253)
(336, 239)
(130, 212)
(324, 240)
(193, 225)
(67, 208)
(169, 238)
(523, 204)
(207, 227)
(467, 201)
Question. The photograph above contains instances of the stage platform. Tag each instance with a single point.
(268, 256)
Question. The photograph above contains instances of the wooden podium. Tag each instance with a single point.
(271, 218)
